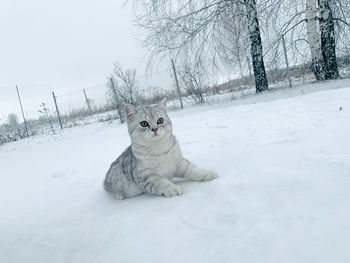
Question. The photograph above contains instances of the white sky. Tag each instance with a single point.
(65, 45)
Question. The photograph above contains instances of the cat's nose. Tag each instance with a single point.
(154, 130)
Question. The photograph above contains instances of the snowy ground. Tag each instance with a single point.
(283, 192)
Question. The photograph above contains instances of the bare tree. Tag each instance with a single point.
(12, 120)
(179, 28)
(116, 101)
(191, 79)
(284, 18)
(46, 111)
(125, 85)
(234, 39)
(341, 11)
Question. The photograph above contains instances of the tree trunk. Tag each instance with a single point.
(328, 40)
(261, 83)
(314, 39)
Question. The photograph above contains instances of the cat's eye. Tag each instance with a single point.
(144, 124)
(160, 121)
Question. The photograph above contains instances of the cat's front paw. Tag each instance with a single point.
(208, 175)
(172, 190)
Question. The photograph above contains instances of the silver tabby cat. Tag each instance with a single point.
(153, 159)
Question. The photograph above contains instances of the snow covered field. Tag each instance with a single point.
(283, 192)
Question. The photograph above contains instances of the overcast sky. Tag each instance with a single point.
(65, 45)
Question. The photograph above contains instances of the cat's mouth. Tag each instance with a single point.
(155, 130)
(156, 135)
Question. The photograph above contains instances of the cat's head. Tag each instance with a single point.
(148, 124)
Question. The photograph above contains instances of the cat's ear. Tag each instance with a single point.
(162, 104)
(130, 110)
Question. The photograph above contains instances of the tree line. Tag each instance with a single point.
(211, 33)
(204, 36)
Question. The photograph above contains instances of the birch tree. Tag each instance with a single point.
(314, 39)
(328, 39)
(256, 46)
(319, 32)
(177, 28)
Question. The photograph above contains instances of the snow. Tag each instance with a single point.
(282, 195)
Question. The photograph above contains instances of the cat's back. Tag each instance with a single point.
(120, 176)
(125, 162)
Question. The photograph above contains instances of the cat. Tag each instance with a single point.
(153, 158)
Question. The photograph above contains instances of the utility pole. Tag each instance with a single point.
(87, 101)
(287, 64)
(58, 113)
(177, 84)
(24, 119)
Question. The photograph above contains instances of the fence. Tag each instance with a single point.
(27, 110)
(75, 108)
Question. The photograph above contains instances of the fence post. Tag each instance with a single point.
(24, 119)
(287, 64)
(58, 113)
(87, 101)
(177, 84)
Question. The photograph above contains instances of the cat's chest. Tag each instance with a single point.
(163, 164)
(167, 165)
